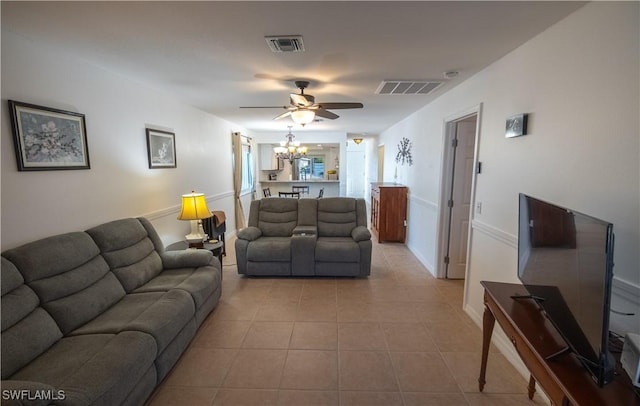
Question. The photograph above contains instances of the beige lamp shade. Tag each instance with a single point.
(303, 116)
(194, 207)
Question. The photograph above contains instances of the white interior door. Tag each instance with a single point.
(355, 174)
(460, 198)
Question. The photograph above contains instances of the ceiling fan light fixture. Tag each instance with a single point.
(302, 116)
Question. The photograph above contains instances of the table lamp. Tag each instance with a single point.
(194, 208)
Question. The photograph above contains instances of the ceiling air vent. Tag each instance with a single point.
(285, 43)
(408, 86)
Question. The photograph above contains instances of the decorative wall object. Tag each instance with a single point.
(47, 138)
(161, 149)
(516, 125)
(404, 152)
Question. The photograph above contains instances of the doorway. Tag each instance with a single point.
(381, 163)
(459, 170)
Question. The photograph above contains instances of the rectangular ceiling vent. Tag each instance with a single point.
(408, 86)
(285, 43)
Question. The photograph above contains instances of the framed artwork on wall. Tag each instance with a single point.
(516, 126)
(48, 139)
(161, 149)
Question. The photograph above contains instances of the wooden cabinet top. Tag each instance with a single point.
(386, 184)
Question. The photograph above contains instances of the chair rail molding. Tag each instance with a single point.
(158, 214)
(495, 233)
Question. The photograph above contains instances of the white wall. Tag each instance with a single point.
(119, 183)
(579, 83)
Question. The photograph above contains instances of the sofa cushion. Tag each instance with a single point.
(160, 314)
(270, 249)
(308, 212)
(200, 282)
(10, 277)
(336, 217)
(337, 249)
(277, 217)
(71, 279)
(100, 369)
(27, 329)
(52, 256)
(130, 249)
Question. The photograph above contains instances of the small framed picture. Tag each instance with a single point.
(516, 126)
(48, 139)
(161, 149)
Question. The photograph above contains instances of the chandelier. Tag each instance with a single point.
(290, 149)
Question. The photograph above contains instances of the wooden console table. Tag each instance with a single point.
(563, 379)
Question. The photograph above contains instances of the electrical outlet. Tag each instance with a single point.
(478, 207)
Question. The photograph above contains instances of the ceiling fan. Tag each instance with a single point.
(303, 107)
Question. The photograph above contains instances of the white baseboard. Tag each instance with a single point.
(626, 290)
(625, 298)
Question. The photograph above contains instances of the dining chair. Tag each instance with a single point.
(266, 192)
(303, 190)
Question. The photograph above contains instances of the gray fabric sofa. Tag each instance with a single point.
(305, 237)
(99, 317)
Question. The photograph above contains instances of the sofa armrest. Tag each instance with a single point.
(19, 393)
(249, 233)
(190, 258)
(361, 233)
(305, 230)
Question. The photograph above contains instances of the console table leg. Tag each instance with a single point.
(532, 386)
(488, 321)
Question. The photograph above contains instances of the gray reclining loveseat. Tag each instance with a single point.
(305, 237)
(99, 317)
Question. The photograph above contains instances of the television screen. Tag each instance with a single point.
(565, 261)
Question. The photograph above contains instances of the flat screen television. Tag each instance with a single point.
(565, 262)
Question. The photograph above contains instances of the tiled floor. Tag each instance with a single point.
(399, 337)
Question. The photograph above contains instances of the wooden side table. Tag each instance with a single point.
(559, 373)
(216, 248)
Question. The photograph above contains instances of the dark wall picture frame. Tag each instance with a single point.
(48, 139)
(161, 149)
(516, 126)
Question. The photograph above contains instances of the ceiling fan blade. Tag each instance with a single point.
(283, 115)
(326, 114)
(334, 106)
(264, 107)
(301, 100)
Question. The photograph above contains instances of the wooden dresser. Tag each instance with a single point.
(389, 211)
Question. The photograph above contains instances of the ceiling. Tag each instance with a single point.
(213, 55)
